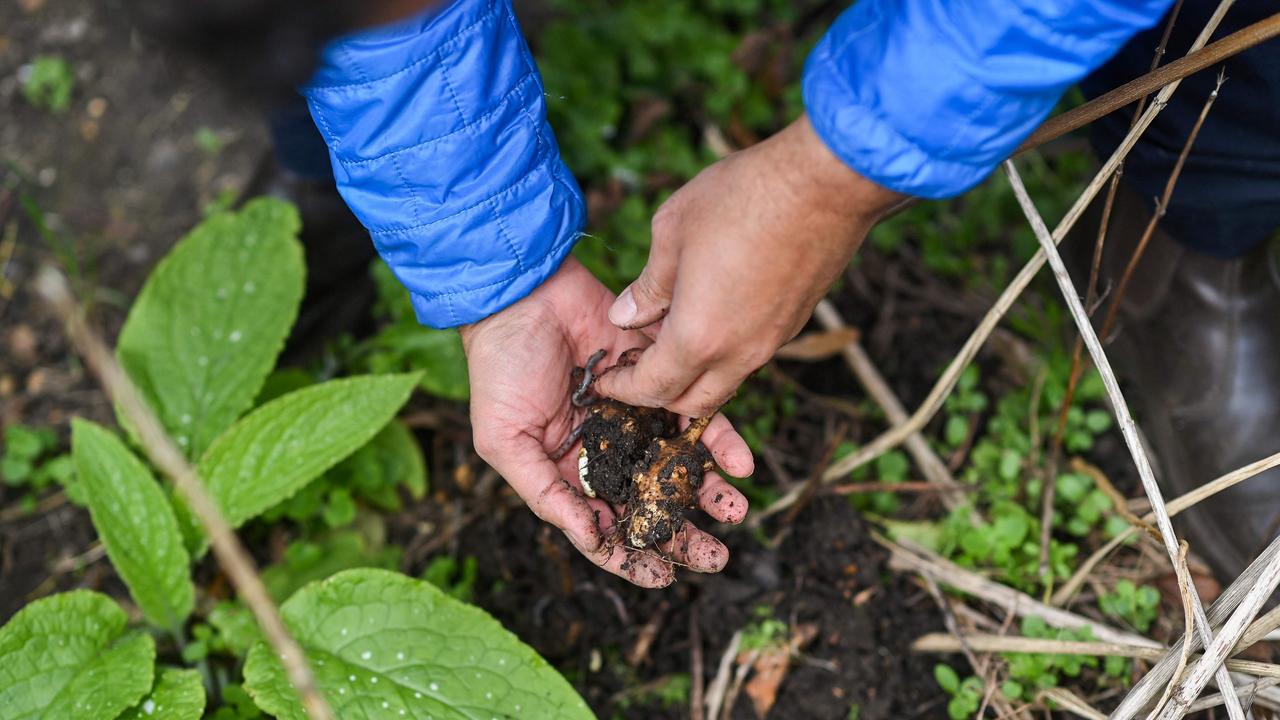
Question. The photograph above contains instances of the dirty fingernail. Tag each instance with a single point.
(623, 311)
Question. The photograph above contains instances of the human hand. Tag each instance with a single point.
(520, 362)
(740, 257)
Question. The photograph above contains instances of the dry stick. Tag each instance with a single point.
(1175, 506)
(1124, 418)
(987, 643)
(720, 684)
(1184, 577)
(1221, 646)
(1199, 58)
(166, 456)
(1113, 310)
(905, 557)
(1069, 701)
(934, 470)
(1153, 683)
(1211, 701)
(1090, 302)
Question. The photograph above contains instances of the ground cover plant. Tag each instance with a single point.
(352, 478)
(201, 341)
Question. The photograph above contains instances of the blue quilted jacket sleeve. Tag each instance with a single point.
(926, 97)
(439, 141)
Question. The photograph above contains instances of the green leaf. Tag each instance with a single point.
(306, 562)
(947, 678)
(68, 656)
(280, 447)
(177, 695)
(208, 325)
(392, 458)
(136, 523)
(381, 643)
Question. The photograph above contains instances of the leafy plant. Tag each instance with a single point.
(966, 695)
(30, 462)
(48, 83)
(1137, 605)
(200, 342)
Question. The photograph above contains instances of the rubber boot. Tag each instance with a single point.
(1197, 347)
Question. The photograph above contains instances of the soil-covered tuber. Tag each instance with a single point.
(637, 457)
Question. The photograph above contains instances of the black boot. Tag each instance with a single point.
(340, 291)
(1197, 346)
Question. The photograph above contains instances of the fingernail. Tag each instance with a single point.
(623, 311)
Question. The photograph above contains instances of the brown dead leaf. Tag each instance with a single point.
(771, 666)
(818, 345)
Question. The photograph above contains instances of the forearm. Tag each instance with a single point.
(437, 131)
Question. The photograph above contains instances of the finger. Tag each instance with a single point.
(696, 549)
(661, 375)
(727, 447)
(722, 501)
(707, 394)
(539, 483)
(637, 568)
(647, 300)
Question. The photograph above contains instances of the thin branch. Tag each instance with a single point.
(1199, 58)
(1124, 418)
(1090, 302)
(934, 470)
(987, 643)
(1217, 650)
(1184, 577)
(905, 557)
(166, 456)
(1113, 310)
(1161, 674)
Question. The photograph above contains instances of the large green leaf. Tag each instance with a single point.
(385, 646)
(281, 446)
(68, 656)
(136, 523)
(177, 695)
(208, 325)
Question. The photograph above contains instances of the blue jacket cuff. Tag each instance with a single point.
(439, 140)
(926, 97)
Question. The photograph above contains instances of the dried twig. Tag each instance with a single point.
(1128, 428)
(720, 684)
(1113, 310)
(986, 643)
(1217, 650)
(1197, 59)
(1184, 576)
(1069, 701)
(1153, 683)
(166, 456)
(905, 557)
(931, 466)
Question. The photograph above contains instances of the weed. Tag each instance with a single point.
(47, 83)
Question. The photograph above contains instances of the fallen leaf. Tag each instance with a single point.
(818, 345)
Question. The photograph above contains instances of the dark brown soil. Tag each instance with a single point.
(827, 574)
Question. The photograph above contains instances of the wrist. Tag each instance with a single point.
(830, 183)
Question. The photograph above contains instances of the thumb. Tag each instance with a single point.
(646, 300)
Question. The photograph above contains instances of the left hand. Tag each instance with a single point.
(520, 361)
